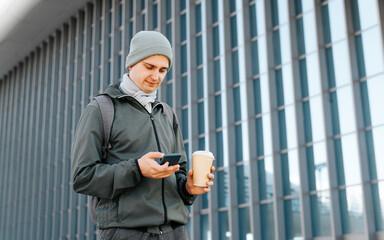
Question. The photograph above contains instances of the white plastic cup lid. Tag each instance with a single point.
(208, 153)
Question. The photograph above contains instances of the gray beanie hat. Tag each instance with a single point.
(148, 43)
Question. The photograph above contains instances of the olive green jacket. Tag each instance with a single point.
(126, 198)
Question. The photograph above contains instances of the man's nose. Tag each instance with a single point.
(155, 75)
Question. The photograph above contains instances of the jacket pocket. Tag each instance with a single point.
(141, 206)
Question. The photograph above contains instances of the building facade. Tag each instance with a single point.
(287, 94)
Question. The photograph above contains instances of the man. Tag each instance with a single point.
(137, 197)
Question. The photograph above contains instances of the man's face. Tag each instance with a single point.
(149, 73)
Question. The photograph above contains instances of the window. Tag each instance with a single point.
(217, 75)
(222, 188)
(234, 31)
(200, 122)
(351, 206)
(239, 143)
(224, 232)
(242, 172)
(218, 111)
(216, 42)
(184, 58)
(267, 221)
(235, 67)
(265, 173)
(244, 224)
(199, 50)
(204, 226)
(215, 11)
(183, 27)
(378, 201)
(236, 104)
(198, 18)
(154, 16)
(320, 212)
(292, 218)
(219, 149)
(255, 58)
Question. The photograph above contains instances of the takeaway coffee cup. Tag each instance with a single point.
(201, 165)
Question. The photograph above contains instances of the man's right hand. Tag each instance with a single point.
(151, 169)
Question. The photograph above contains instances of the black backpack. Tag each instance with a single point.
(107, 110)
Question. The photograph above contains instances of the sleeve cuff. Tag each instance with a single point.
(138, 168)
(188, 199)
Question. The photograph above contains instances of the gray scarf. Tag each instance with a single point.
(130, 88)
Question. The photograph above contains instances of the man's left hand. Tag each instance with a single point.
(195, 190)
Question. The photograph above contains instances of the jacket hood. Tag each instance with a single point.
(114, 91)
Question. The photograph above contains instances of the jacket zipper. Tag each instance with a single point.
(162, 180)
(159, 148)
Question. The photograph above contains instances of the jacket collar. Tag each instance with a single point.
(114, 92)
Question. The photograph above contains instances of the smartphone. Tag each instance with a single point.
(172, 158)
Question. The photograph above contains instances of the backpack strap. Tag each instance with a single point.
(107, 110)
(107, 114)
(168, 111)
